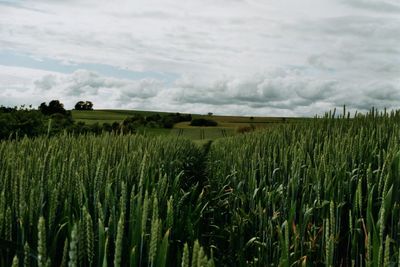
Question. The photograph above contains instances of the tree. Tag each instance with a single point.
(80, 105)
(84, 105)
(55, 106)
(44, 108)
(89, 105)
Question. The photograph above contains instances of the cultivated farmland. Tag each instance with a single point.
(227, 125)
(325, 192)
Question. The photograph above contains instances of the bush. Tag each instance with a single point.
(107, 127)
(29, 123)
(203, 122)
(154, 117)
(245, 129)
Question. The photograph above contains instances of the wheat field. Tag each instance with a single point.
(320, 193)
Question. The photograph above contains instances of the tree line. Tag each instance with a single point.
(52, 118)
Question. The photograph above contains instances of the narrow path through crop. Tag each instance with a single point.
(223, 132)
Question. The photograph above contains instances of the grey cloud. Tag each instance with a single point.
(273, 93)
(276, 89)
(355, 48)
(318, 89)
(375, 5)
(293, 93)
(363, 96)
(288, 91)
(362, 27)
(343, 52)
(384, 92)
(46, 83)
(83, 83)
(21, 5)
(142, 89)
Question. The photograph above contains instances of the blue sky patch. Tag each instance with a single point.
(11, 58)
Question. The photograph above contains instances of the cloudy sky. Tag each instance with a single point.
(244, 57)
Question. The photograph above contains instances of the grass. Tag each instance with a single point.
(81, 201)
(224, 121)
(154, 131)
(324, 192)
(227, 125)
(203, 133)
(106, 116)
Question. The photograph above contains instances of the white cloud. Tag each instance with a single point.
(290, 93)
(246, 57)
(376, 5)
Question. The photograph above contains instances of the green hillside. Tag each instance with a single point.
(227, 125)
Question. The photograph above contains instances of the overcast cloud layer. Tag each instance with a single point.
(245, 57)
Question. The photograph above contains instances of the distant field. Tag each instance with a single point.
(227, 125)
(110, 116)
(203, 133)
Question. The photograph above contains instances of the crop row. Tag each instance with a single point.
(321, 192)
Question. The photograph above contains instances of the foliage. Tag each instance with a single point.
(84, 105)
(93, 201)
(132, 123)
(203, 122)
(168, 121)
(20, 122)
(28, 122)
(325, 192)
(322, 192)
(54, 107)
(59, 119)
(246, 129)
